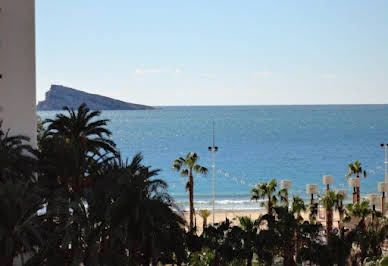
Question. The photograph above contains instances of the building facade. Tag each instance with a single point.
(17, 67)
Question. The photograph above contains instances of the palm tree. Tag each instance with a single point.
(17, 157)
(359, 210)
(283, 196)
(20, 230)
(250, 234)
(329, 201)
(82, 128)
(204, 215)
(84, 140)
(356, 169)
(135, 213)
(298, 207)
(187, 166)
(283, 228)
(339, 206)
(265, 190)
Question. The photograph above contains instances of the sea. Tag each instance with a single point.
(255, 144)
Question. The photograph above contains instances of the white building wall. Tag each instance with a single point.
(17, 67)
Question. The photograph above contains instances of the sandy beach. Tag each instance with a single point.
(233, 215)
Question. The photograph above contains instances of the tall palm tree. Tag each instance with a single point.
(329, 201)
(355, 169)
(204, 215)
(265, 190)
(187, 166)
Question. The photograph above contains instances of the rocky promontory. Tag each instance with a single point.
(59, 96)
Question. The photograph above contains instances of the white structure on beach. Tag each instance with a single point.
(17, 67)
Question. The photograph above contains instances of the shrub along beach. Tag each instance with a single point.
(75, 201)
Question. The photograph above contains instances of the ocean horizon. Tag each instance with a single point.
(256, 143)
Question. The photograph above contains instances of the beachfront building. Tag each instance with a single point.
(17, 67)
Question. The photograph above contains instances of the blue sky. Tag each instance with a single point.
(216, 52)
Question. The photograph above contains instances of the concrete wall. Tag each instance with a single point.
(17, 67)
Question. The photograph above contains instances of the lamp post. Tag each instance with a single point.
(385, 146)
(327, 180)
(312, 189)
(373, 199)
(382, 187)
(285, 184)
(213, 149)
(355, 183)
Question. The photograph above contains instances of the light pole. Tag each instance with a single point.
(385, 146)
(286, 185)
(327, 180)
(355, 184)
(382, 188)
(312, 189)
(213, 149)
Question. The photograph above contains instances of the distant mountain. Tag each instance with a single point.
(59, 96)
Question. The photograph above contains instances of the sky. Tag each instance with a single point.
(216, 52)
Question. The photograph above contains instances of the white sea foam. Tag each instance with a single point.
(222, 204)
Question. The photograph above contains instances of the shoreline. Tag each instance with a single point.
(220, 215)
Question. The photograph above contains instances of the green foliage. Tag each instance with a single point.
(266, 191)
(205, 257)
(17, 157)
(355, 169)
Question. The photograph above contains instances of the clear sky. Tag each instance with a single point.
(216, 52)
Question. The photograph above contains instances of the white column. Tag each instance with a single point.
(17, 67)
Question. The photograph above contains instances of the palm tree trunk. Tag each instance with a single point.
(289, 255)
(358, 191)
(269, 205)
(329, 221)
(341, 217)
(354, 195)
(6, 260)
(216, 259)
(191, 192)
(249, 259)
(357, 194)
(297, 247)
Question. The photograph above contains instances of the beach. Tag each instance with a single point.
(233, 216)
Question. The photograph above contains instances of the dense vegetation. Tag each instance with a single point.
(75, 200)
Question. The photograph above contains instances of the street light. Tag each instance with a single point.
(385, 146)
(327, 180)
(382, 188)
(285, 184)
(312, 189)
(354, 183)
(213, 149)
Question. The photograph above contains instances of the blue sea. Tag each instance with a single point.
(256, 144)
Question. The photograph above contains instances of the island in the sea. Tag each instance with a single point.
(59, 96)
